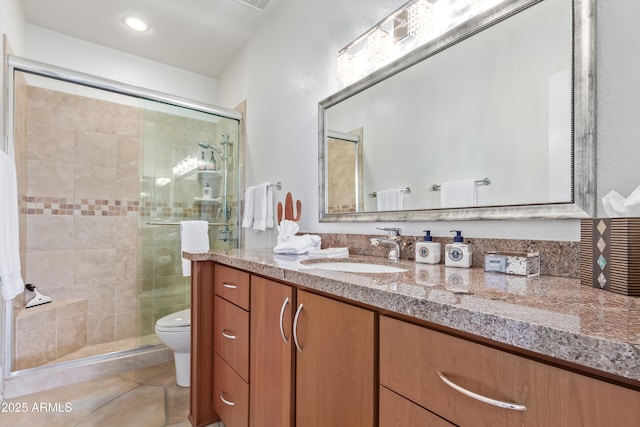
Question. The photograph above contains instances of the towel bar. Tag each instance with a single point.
(177, 223)
(404, 190)
(486, 181)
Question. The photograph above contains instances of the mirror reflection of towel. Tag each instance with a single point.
(457, 194)
(389, 200)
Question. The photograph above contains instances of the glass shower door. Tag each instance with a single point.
(189, 168)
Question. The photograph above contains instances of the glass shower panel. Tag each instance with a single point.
(188, 164)
(79, 206)
(97, 172)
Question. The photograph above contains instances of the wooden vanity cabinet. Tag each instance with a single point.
(201, 412)
(335, 363)
(230, 330)
(272, 359)
(417, 362)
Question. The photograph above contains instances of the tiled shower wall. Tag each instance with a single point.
(89, 175)
(81, 205)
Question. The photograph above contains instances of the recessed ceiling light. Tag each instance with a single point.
(136, 24)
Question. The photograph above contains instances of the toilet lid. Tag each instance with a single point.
(178, 319)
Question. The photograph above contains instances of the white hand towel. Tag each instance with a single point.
(247, 217)
(194, 237)
(456, 194)
(270, 221)
(298, 245)
(11, 283)
(260, 200)
(389, 200)
(286, 229)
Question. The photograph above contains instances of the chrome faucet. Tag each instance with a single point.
(392, 240)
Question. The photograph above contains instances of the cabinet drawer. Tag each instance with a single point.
(232, 285)
(396, 411)
(231, 335)
(411, 357)
(230, 395)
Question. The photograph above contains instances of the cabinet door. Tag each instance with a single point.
(232, 285)
(231, 335)
(396, 411)
(271, 361)
(439, 372)
(230, 394)
(335, 363)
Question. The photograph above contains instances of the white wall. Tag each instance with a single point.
(58, 49)
(289, 66)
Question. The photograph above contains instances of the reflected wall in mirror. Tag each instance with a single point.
(344, 177)
(497, 97)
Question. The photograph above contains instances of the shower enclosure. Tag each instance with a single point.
(106, 173)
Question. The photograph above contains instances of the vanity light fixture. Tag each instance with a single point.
(413, 24)
(378, 45)
(420, 19)
(135, 24)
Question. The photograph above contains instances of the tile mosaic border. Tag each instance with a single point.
(101, 207)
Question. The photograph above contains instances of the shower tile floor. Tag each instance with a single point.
(147, 397)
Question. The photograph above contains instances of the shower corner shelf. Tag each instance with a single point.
(195, 173)
(211, 200)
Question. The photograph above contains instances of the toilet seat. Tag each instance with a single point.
(175, 322)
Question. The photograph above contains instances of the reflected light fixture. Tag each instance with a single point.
(135, 24)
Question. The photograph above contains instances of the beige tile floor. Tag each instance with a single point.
(146, 397)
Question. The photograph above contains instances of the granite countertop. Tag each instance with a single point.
(552, 316)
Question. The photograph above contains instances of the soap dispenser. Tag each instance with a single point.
(458, 253)
(428, 251)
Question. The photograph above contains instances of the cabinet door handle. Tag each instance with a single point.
(484, 399)
(225, 401)
(229, 286)
(284, 306)
(228, 335)
(295, 328)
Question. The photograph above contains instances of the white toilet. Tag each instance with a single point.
(174, 330)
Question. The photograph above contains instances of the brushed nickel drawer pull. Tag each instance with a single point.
(225, 401)
(229, 286)
(295, 328)
(227, 335)
(284, 306)
(484, 399)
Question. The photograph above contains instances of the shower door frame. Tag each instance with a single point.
(16, 63)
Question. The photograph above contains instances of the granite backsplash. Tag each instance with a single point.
(557, 258)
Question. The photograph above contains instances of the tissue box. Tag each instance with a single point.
(610, 254)
(516, 263)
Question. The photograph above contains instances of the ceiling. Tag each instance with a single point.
(201, 36)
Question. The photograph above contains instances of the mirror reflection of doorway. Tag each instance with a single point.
(344, 173)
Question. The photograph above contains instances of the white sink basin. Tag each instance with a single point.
(356, 267)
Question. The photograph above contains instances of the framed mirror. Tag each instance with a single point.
(492, 119)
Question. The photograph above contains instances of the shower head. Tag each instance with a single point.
(208, 146)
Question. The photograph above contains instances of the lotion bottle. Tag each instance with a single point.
(428, 251)
(458, 253)
(206, 191)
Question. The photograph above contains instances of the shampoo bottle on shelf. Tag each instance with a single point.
(212, 165)
(428, 251)
(458, 253)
